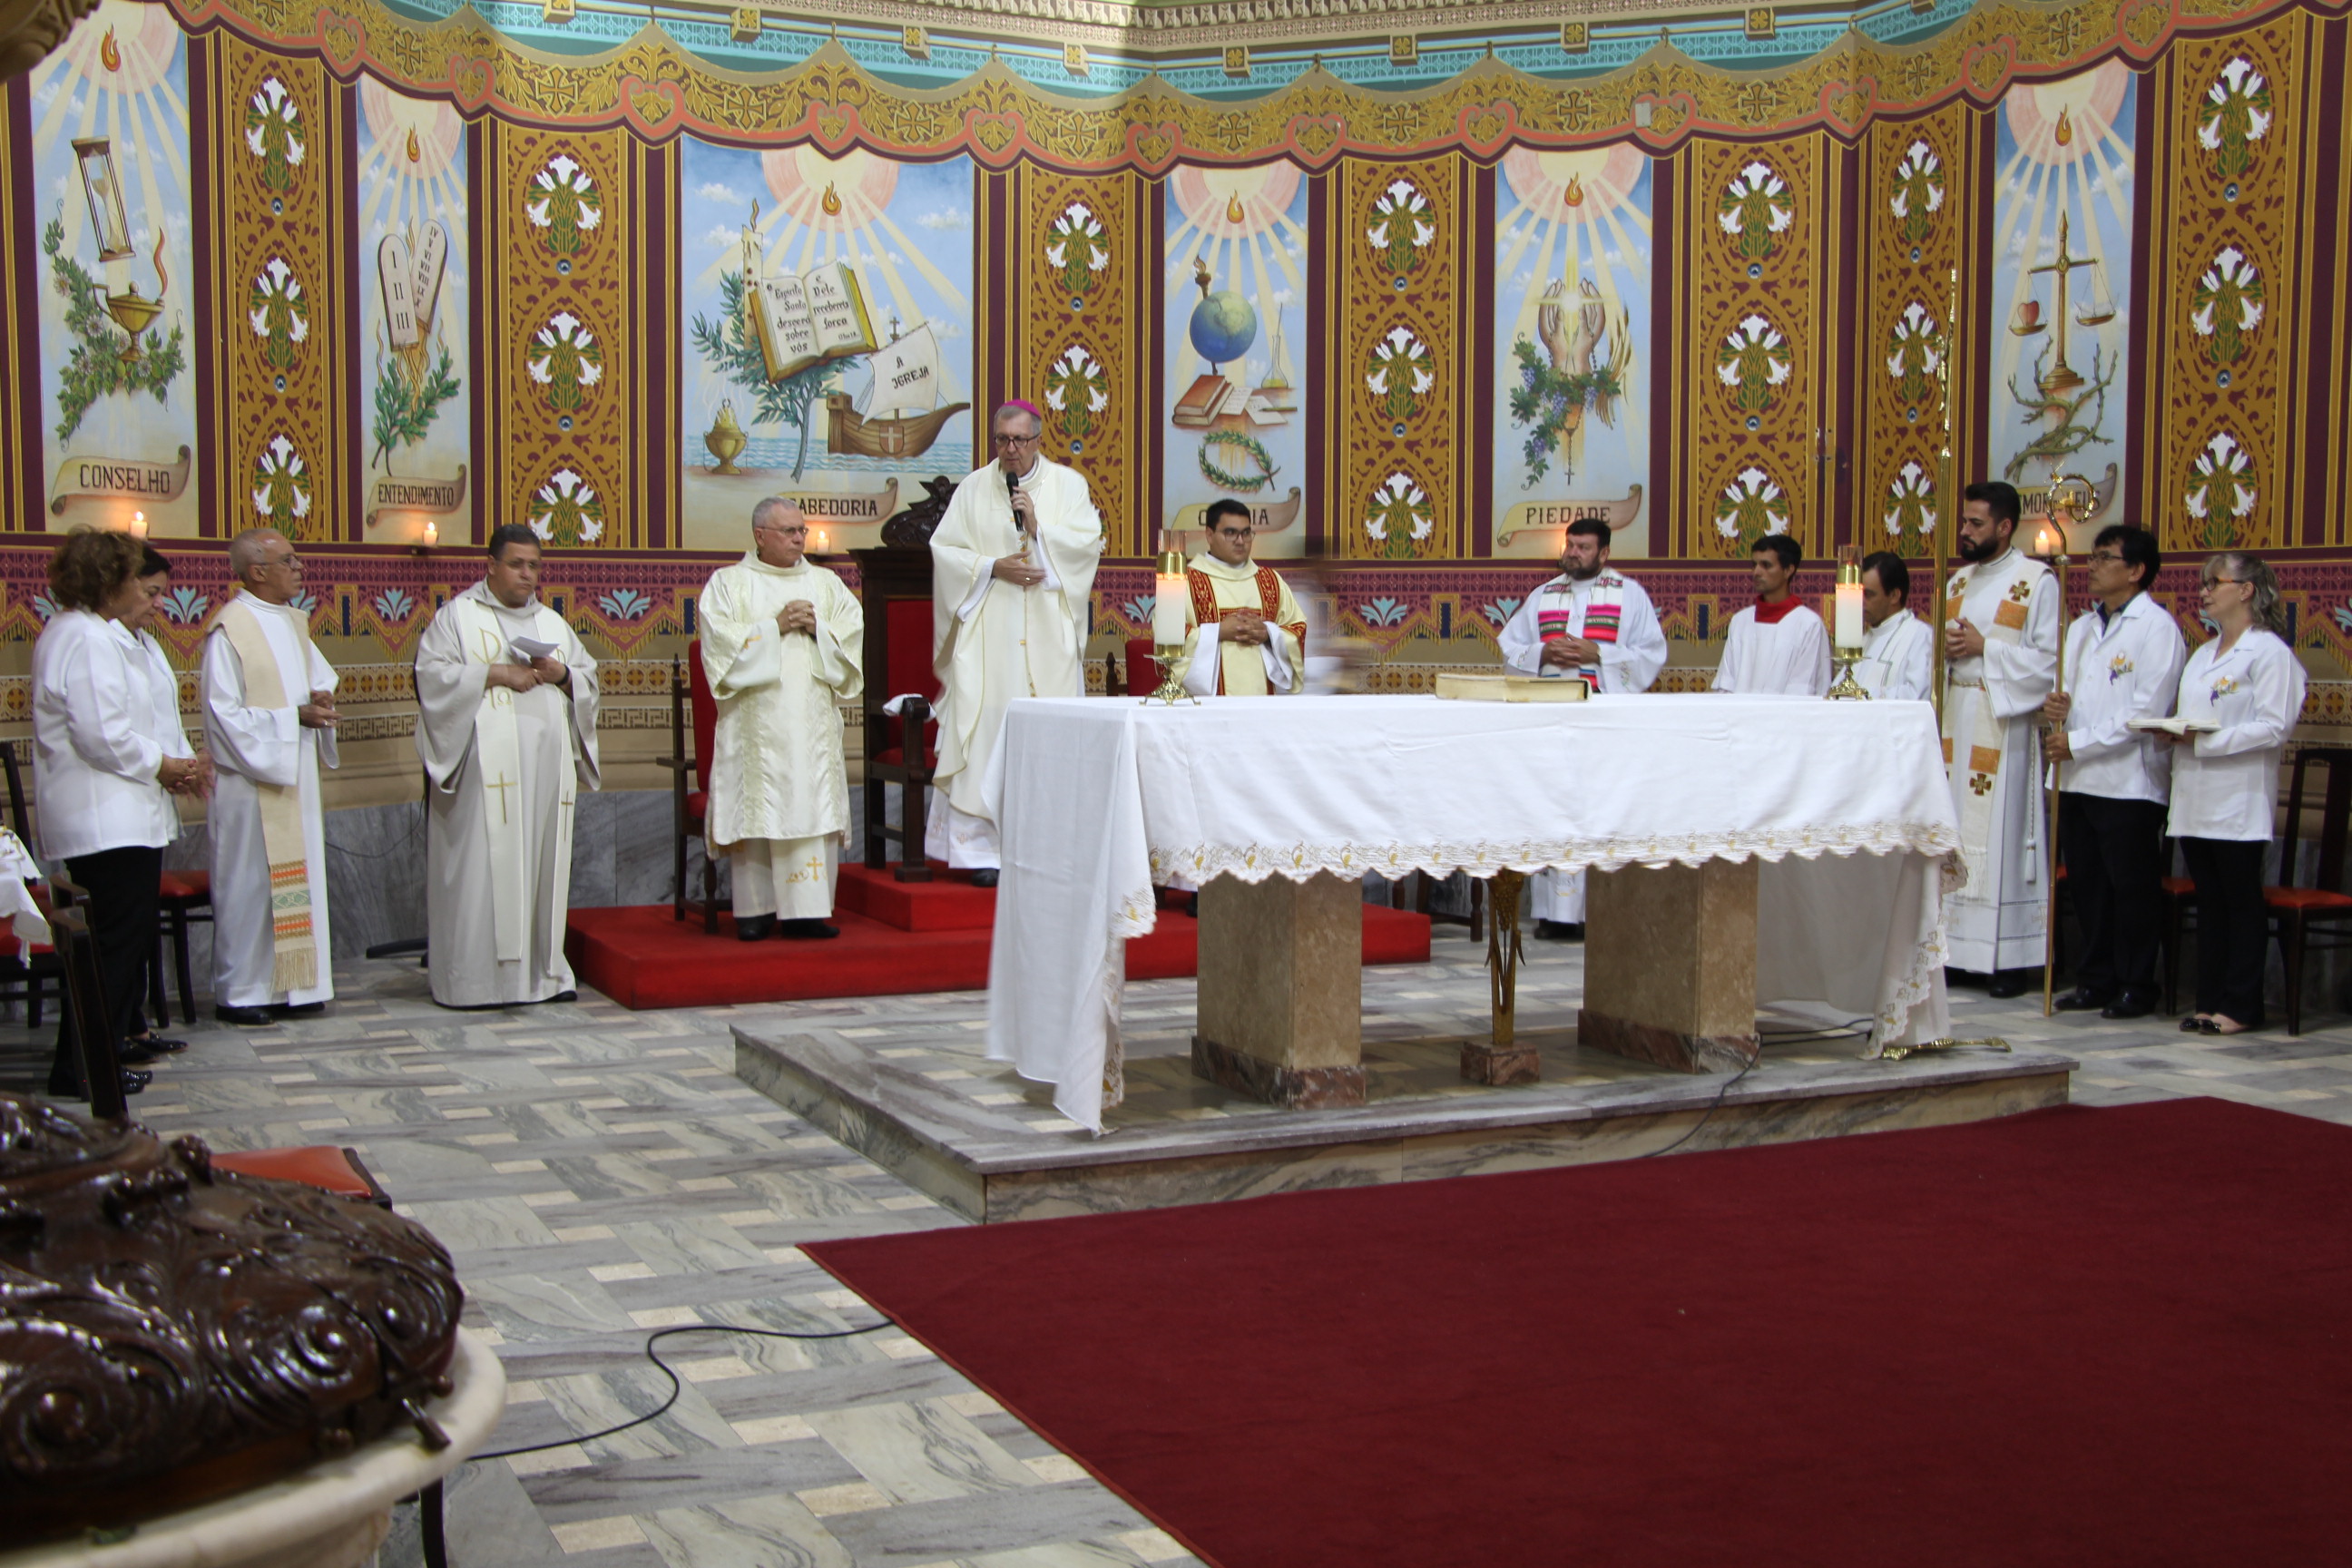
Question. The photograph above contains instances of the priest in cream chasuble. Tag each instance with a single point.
(507, 727)
(1013, 577)
(781, 645)
(1244, 634)
(2001, 659)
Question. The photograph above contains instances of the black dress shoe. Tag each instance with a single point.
(133, 1080)
(1560, 930)
(2010, 983)
(754, 928)
(806, 931)
(250, 1017)
(985, 877)
(299, 1009)
(2128, 1006)
(2078, 1000)
(141, 1049)
(565, 996)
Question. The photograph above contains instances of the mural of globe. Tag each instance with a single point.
(1224, 327)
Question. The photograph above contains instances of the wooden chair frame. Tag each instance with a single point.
(681, 765)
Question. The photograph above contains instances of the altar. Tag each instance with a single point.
(1747, 849)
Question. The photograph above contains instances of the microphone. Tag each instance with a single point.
(1012, 491)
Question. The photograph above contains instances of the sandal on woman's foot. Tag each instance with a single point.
(2220, 1025)
(2195, 1023)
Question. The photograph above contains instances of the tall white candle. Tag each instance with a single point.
(1849, 615)
(1168, 612)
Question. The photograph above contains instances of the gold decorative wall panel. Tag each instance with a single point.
(280, 360)
(2226, 195)
(1076, 307)
(1398, 368)
(1757, 273)
(1920, 212)
(561, 296)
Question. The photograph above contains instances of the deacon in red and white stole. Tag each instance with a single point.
(1244, 634)
(1777, 645)
(1594, 621)
(2000, 654)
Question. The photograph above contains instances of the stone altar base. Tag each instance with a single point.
(990, 1145)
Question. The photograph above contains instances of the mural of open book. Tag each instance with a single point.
(817, 315)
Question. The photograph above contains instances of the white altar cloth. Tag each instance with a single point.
(1098, 801)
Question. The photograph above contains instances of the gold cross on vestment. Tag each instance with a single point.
(501, 784)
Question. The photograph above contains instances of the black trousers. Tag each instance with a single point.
(2233, 928)
(2115, 869)
(121, 885)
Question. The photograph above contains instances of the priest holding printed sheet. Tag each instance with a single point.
(507, 725)
(1594, 621)
(780, 644)
(1244, 634)
(2000, 652)
(1777, 645)
(1012, 572)
(1897, 659)
(269, 725)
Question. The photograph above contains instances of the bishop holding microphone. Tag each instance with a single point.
(1012, 573)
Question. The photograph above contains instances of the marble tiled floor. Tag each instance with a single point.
(599, 1173)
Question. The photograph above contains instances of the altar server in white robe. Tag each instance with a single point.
(1897, 659)
(782, 640)
(1594, 621)
(269, 723)
(2001, 653)
(1013, 575)
(1777, 645)
(507, 726)
(1244, 634)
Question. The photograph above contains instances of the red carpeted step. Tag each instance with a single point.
(2064, 1338)
(643, 958)
(945, 902)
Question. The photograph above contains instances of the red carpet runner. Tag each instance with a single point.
(894, 940)
(2071, 1337)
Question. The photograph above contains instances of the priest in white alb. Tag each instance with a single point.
(2001, 653)
(1244, 634)
(1591, 621)
(1778, 644)
(1013, 575)
(269, 724)
(782, 641)
(505, 723)
(1897, 659)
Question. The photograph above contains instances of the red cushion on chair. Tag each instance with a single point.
(2179, 885)
(320, 1165)
(2306, 899)
(1142, 669)
(706, 715)
(694, 800)
(892, 756)
(11, 948)
(184, 887)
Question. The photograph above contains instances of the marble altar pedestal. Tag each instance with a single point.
(1670, 966)
(1281, 990)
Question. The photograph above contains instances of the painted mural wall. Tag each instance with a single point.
(379, 281)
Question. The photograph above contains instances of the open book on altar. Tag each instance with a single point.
(2173, 726)
(818, 315)
(1513, 687)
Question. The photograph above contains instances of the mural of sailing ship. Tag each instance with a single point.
(902, 410)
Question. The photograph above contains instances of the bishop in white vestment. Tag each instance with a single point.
(1897, 655)
(269, 724)
(1592, 621)
(1244, 634)
(782, 641)
(1013, 575)
(2000, 660)
(509, 737)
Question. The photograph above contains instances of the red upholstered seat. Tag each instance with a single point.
(891, 757)
(706, 715)
(2179, 885)
(184, 887)
(695, 800)
(2306, 899)
(909, 624)
(1142, 669)
(320, 1165)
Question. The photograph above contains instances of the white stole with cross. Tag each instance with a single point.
(497, 755)
(1973, 760)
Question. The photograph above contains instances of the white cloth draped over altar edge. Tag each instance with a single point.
(1847, 801)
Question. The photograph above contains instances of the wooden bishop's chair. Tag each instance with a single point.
(895, 585)
(689, 777)
(28, 971)
(2293, 911)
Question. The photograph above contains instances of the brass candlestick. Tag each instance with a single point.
(2050, 543)
(1844, 655)
(1170, 579)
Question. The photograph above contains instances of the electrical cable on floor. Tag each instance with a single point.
(677, 1388)
(1847, 1030)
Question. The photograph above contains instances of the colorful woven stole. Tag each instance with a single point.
(1206, 611)
(1556, 617)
